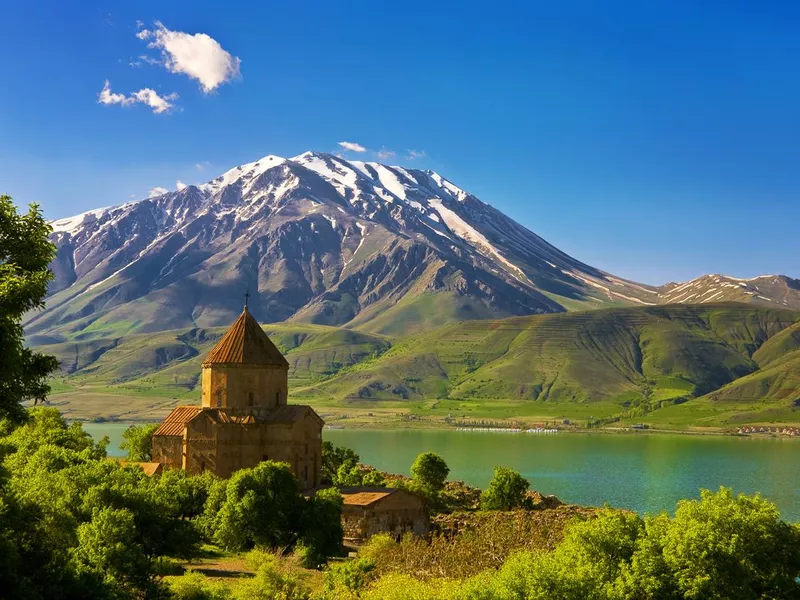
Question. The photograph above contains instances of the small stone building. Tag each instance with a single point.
(244, 417)
(368, 511)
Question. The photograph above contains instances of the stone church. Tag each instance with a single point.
(244, 417)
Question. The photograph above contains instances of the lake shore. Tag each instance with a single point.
(94, 406)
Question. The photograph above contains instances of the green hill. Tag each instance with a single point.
(674, 365)
(622, 356)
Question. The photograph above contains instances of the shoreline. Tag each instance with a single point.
(489, 430)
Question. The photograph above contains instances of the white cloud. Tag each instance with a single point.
(157, 191)
(413, 154)
(159, 104)
(108, 97)
(179, 185)
(385, 153)
(198, 55)
(151, 98)
(352, 146)
(201, 166)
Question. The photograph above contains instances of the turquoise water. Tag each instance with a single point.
(646, 473)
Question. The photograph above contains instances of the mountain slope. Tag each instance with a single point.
(623, 356)
(767, 290)
(644, 362)
(316, 239)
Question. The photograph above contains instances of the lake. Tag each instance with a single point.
(643, 472)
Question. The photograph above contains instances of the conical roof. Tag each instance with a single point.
(245, 344)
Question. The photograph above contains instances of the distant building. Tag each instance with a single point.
(368, 511)
(244, 417)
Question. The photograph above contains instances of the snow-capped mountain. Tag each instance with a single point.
(315, 238)
(772, 290)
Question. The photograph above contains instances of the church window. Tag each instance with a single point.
(277, 397)
(305, 473)
(202, 466)
(219, 397)
(265, 457)
(250, 399)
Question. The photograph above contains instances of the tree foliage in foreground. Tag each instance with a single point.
(74, 524)
(718, 547)
(25, 255)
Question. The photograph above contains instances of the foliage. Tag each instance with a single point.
(333, 457)
(137, 440)
(25, 255)
(719, 546)
(271, 584)
(353, 575)
(322, 527)
(355, 474)
(429, 471)
(196, 586)
(506, 490)
(262, 507)
(81, 525)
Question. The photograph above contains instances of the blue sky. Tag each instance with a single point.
(657, 140)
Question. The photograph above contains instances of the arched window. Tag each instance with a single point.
(277, 398)
(202, 466)
(250, 399)
(220, 395)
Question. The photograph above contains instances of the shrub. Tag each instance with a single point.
(196, 586)
(506, 490)
(430, 472)
(270, 584)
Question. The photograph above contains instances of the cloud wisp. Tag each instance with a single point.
(159, 104)
(352, 146)
(415, 154)
(157, 191)
(385, 153)
(198, 56)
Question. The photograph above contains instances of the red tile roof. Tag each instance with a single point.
(245, 344)
(176, 421)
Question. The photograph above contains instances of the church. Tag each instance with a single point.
(244, 417)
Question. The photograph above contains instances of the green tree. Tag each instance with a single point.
(322, 527)
(720, 546)
(262, 507)
(333, 457)
(137, 440)
(108, 547)
(25, 255)
(506, 490)
(353, 474)
(429, 472)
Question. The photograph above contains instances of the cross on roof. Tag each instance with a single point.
(246, 298)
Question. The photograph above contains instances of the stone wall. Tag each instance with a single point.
(243, 386)
(396, 514)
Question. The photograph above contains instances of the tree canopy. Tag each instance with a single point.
(506, 490)
(429, 471)
(25, 255)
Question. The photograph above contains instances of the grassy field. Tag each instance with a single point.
(670, 366)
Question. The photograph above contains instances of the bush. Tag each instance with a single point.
(196, 586)
(352, 575)
(506, 490)
(429, 471)
(270, 584)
